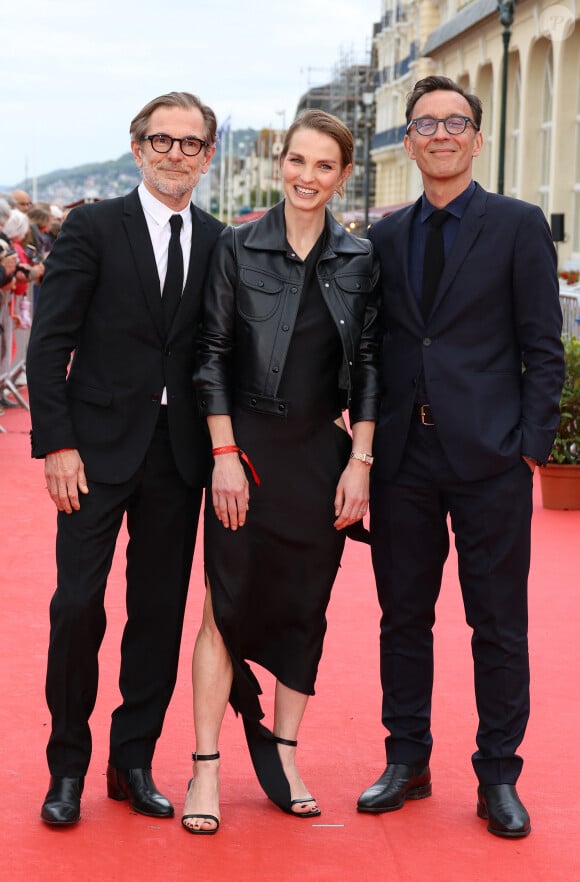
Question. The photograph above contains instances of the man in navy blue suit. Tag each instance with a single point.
(472, 374)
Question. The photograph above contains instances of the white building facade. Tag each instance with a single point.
(465, 41)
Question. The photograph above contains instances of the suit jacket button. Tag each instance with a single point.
(427, 341)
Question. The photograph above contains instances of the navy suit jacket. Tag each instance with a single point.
(491, 349)
(100, 299)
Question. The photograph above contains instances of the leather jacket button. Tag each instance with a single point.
(285, 327)
(275, 369)
(357, 286)
(281, 407)
(253, 402)
(293, 290)
(260, 284)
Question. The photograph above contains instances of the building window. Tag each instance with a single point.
(546, 132)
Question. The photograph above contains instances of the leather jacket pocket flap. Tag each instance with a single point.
(258, 294)
(354, 284)
(90, 394)
(260, 282)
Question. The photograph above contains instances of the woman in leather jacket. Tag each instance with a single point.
(289, 340)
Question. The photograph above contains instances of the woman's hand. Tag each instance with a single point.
(352, 494)
(230, 491)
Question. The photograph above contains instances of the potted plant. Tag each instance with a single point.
(560, 478)
(570, 277)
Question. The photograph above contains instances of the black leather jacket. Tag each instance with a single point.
(250, 310)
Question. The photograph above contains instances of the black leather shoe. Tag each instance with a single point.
(62, 803)
(501, 806)
(397, 783)
(138, 787)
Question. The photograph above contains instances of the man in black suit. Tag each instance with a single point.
(472, 373)
(120, 434)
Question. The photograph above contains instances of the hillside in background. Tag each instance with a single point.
(104, 180)
(100, 180)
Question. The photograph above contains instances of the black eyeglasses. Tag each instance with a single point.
(162, 143)
(454, 125)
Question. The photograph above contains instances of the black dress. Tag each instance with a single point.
(271, 580)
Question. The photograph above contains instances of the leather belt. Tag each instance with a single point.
(425, 415)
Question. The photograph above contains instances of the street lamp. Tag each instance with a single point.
(506, 16)
(368, 96)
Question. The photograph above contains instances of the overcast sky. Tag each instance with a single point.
(73, 74)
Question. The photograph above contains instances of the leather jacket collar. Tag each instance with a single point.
(269, 234)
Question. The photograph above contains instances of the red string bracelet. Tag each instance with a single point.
(233, 448)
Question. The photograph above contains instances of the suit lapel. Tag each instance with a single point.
(144, 256)
(469, 229)
(146, 266)
(200, 248)
(402, 246)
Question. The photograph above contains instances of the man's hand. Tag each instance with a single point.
(65, 476)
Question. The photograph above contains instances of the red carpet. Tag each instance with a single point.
(341, 749)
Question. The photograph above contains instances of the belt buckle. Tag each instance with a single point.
(425, 415)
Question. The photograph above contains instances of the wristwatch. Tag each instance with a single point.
(363, 457)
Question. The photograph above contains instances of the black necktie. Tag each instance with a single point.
(434, 259)
(173, 287)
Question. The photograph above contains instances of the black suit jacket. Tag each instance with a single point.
(100, 298)
(497, 309)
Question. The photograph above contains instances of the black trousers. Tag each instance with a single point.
(491, 521)
(162, 516)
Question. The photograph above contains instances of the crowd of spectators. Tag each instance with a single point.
(27, 232)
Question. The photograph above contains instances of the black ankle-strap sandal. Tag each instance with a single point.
(286, 741)
(201, 757)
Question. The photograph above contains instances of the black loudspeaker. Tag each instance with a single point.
(557, 227)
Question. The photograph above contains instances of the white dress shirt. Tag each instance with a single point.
(157, 216)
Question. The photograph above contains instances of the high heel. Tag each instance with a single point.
(201, 757)
(313, 814)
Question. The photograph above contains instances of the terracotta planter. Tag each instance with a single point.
(560, 486)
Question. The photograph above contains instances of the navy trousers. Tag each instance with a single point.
(491, 522)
